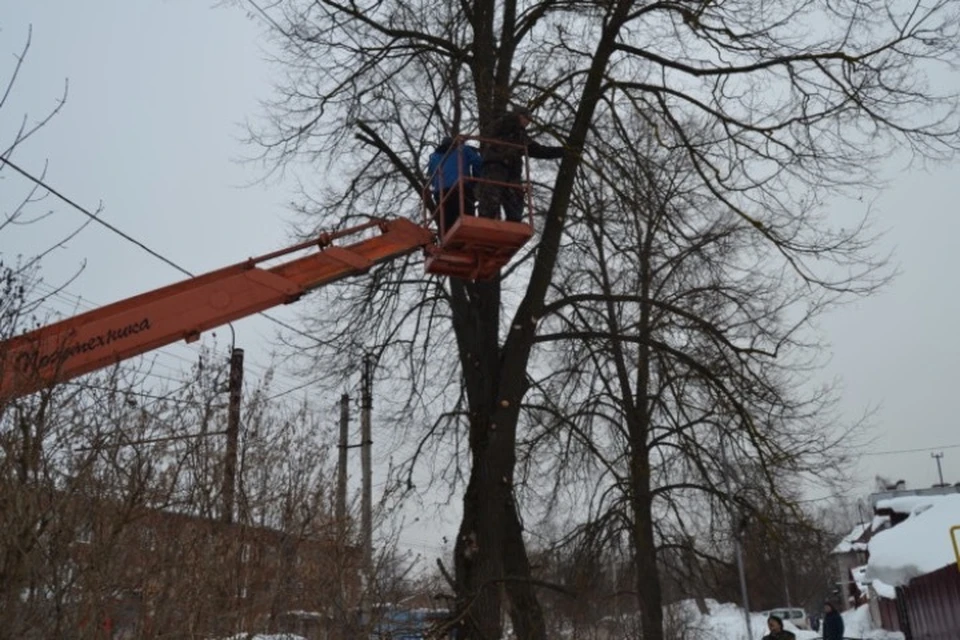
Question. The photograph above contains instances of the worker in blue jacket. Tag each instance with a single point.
(451, 168)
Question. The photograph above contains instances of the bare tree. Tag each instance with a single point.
(676, 341)
(111, 484)
(762, 100)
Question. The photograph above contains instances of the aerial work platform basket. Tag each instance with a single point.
(473, 247)
(477, 248)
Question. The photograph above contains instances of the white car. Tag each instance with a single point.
(795, 616)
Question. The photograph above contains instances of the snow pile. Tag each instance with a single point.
(884, 590)
(857, 624)
(724, 622)
(917, 546)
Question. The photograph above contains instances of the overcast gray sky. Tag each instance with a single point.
(159, 92)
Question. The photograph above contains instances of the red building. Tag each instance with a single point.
(94, 568)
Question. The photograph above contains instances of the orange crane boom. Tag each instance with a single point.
(182, 311)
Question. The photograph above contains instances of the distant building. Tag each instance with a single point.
(850, 559)
(133, 572)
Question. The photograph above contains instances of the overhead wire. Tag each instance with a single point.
(43, 184)
(92, 216)
(168, 397)
(154, 398)
(918, 450)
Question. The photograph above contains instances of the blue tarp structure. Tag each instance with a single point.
(392, 623)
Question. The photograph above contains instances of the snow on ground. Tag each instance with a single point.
(726, 622)
(278, 636)
(917, 546)
(857, 624)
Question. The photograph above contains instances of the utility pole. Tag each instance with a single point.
(233, 434)
(786, 580)
(366, 442)
(938, 456)
(340, 603)
(341, 508)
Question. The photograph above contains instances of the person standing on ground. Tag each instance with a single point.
(777, 632)
(832, 624)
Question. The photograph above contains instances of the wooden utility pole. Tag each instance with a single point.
(233, 434)
(366, 442)
(939, 456)
(341, 507)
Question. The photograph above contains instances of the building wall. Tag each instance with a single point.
(846, 563)
(889, 617)
(932, 604)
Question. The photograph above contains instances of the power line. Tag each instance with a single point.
(920, 450)
(129, 238)
(169, 397)
(92, 216)
(129, 443)
(291, 328)
(296, 388)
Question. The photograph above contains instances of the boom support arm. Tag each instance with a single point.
(181, 311)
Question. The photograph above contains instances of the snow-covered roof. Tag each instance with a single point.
(852, 541)
(919, 545)
(904, 504)
(858, 539)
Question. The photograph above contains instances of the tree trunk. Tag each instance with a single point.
(525, 611)
(490, 556)
(495, 377)
(644, 544)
